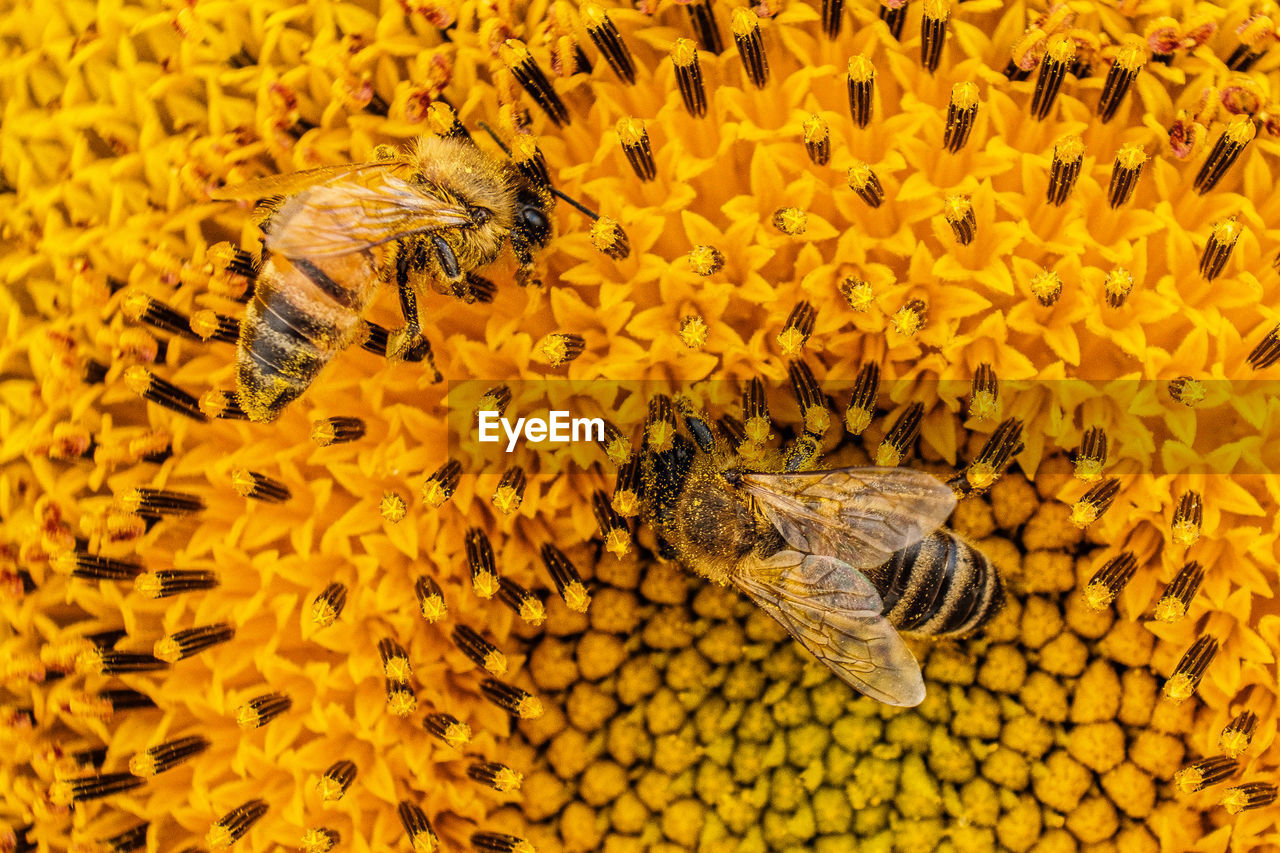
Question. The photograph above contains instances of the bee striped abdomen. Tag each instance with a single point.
(300, 316)
(939, 586)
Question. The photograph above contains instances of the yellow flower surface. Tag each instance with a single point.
(1052, 228)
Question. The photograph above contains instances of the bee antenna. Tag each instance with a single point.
(576, 205)
(494, 136)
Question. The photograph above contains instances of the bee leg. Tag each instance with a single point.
(449, 266)
(522, 245)
(697, 426)
(479, 289)
(408, 343)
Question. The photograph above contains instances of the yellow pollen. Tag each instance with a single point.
(1069, 149)
(887, 455)
(322, 613)
(205, 323)
(433, 608)
(435, 494)
(143, 765)
(532, 612)
(555, 350)
(593, 15)
(1226, 233)
(619, 451)
(1084, 513)
(89, 662)
(791, 220)
(1131, 156)
(402, 703)
(757, 429)
(219, 837)
(137, 378)
(440, 118)
(576, 597)
(397, 668)
(62, 793)
(1191, 393)
(495, 662)
(964, 95)
(1233, 742)
(860, 175)
(626, 503)
(1179, 688)
(1186, 532)
(817, 420)
(860, 296)
(1241, 130)
(1119, 282)
(485, 584)
(423, 843)
(792, 341)
(507, 499)
(631, 132)
(247, 717)
(660, 436)
(1088, 469)
(860, 69)
(530, 708)
(981, 475)
(604, 234)
(618, 543)
(1098, 595)
(1188, 780)
(956, 207)
(937, 10)
(507, 780)
(815, 129)
(985, 406)
(706, 260)
(857, 420)
(513, 52)
(331, 790)
(315, 841)
(744, 22)
(693, 333)
(907, 322)
(393, 507)
(1170, 609)
(243, 481)
(457, 735)
(168, 650)
(684, 53)
(1131, 56)
(1062, 49)
(1046, 286)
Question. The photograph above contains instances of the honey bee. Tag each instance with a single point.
(430, 216)
(844, 559)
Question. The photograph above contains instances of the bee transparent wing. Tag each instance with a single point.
(296, 182)
(835, 612)
(858, 515)
(349, 216)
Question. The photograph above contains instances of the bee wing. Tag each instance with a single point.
(835, 612)
(296, 182)
(351, 216)
(858, 515)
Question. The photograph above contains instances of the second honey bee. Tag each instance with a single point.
(844, 559)
(429, 217)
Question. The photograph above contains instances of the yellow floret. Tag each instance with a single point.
(857, 734)
(1006, 626)
(639, 677)
(950, 665)
(1157, 753)
(875, 781)
(1050, 527)
(912, 836)
(806, 743)
(1097, 694)
(910, 731)
(1041, 621)
(664, 712)
(1130, 789)
(1128, 643)
(669, 628)
(578, 827)
(1048, 571)
(1043, 696)
(628, 814)
(1138, 697)
(543, 795)
(723, 643)
(665, 583)
(1093, 820)
(831, 811)
(1004, 555)
(972, 839)
(1174, 718)
(1060, 781)
(599, 654)
(1013, 500)
(976, 714)
(1004, 668)
(628, 741)
(1056, 841)
(589, 707)
(675, 753)
(745, 682)
(654, 790)
(981, 802)
(793, 708)
(1007, 768)
(1019, 826)
(1136, 839)
(682, 822)
(973, 520)
(1064, 655)
(1098, 746)
(1028, 735)
(686, 670)
(918, 793)
(1085, 621)
(616, 611)
(570, 753)
(949, 757)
